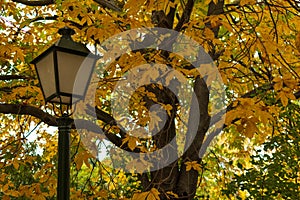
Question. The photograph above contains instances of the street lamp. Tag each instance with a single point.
(57, 68)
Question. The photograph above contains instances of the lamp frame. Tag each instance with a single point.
(58, 93)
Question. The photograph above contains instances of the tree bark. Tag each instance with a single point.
(187, 181)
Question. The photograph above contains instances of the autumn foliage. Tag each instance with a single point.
(254, 154)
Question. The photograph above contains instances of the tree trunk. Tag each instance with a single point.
(174, 177)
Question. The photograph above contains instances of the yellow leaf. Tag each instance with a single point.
(132, 142)
(242, 194)
(168, 108)
(264, 116)
(290, 96)
(16, 164)
(172, 194)
(19, 54)
(289, 81)
(140, 196)
(14, 193)
(232, 115)
(5, 187)
(277, 79)
(103, 193)
(43, 179)
(86, 19)
(153, 194)
(215, 21)
(154, 120)
(250, 128)
(207, 2)
(247, 2)
(188, 167)
(192, 165)
(91, 31)
(284, 95)
(2, 177)
(209, 34)
(172, 5)
(297, 42)
(5, 197)
(81, 158)
(227, 26)
(79, 163)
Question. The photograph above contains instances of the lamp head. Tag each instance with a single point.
(57, 68)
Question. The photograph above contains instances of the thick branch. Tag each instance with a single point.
(103, 116)
(50, 120)
(47, 118)
(28, 110)
(13, 77)
(185, 17)
(215, 9)
(35, 3)
(104, 3)
(108, 119)
(109, 4)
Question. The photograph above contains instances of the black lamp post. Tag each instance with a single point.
(57, 68)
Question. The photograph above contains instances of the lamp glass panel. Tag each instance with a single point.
(68, 66)
(45, 69)
(83, 76)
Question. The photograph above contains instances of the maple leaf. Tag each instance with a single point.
(192, 165)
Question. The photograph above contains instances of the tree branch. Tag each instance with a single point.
(35, 3)
(106, 4)
(50, 120)
(47, 118)
(185, 17)
(215, 9)
(12, 77)
(108, 119)
(20, 109)
(187, 181)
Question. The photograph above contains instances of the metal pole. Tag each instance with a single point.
(63, 181)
